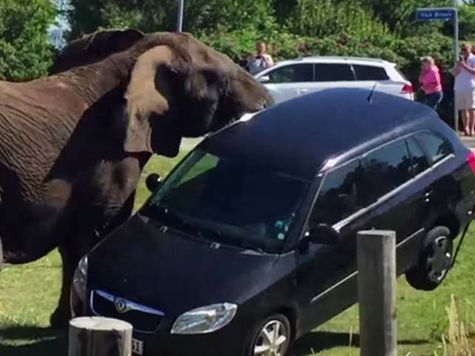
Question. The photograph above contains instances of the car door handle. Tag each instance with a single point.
(427, 195)
(302, 91)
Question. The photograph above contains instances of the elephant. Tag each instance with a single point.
(73, 144)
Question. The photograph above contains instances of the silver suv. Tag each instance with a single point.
(292, 78)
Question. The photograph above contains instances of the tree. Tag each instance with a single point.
(151, 15)
(399, 15)
(25, 51)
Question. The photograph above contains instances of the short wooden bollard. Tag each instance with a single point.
(97, 336)
(377, 292)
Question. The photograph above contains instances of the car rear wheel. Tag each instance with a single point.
(271, 337)
(435, 260)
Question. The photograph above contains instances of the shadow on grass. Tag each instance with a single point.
(31, 340)
(326, 340)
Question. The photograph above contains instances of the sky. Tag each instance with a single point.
(57, 31)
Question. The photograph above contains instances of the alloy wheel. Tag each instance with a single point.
(272, 339)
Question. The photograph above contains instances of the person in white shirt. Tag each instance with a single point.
(262, 60)
(464, 88)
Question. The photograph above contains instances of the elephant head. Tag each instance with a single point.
(174, 86)
(179, 87)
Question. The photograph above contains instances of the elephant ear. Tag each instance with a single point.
(147, 95)
(94, 47)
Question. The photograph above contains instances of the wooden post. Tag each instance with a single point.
(97, 336)
(377, 292)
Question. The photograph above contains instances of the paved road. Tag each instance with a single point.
(469, 141)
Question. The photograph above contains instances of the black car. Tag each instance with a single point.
(250, 241)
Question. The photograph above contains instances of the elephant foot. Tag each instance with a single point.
(59, 319)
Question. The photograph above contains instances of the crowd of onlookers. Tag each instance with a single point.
(464, 86)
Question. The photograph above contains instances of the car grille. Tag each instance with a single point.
(143, 319)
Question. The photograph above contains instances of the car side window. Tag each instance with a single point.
(419, 162)
(333, 72)
(363, 72)
(385, 169)
(295, 73)
(435, 146)
(338, 195)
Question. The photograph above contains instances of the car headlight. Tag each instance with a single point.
(80, 279)
(205, 319)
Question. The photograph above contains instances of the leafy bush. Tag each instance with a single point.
(326, 18)
(25, 51)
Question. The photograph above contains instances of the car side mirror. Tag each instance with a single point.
(323, 234)
(153, 181)
(264, 79)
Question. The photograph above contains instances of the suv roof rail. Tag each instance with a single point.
(367, 59)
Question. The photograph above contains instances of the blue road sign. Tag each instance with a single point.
(428, 14)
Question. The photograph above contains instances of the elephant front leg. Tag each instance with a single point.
(70, 255)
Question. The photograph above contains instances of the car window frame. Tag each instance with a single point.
(389, 195)
(402, 139)
(423, 148)
(350, 65)
(323, 177)
(388, 78)
(274, 69)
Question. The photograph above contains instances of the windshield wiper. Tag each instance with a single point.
(200, 227)
(226, 237)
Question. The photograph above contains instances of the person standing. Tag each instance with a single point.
(464, 88)
(431, 83)
(262, 60)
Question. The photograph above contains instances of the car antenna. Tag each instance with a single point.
(370, 96)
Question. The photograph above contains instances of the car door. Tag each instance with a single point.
(326, 272)
(400, 199)
(288, 81)
(444, 190)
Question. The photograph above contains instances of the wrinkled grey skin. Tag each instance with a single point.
(73, 144)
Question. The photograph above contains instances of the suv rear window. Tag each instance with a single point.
(333, 72)
(435, 146)
(364, 72)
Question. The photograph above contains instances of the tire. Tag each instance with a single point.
(258, 339)
(435, 260)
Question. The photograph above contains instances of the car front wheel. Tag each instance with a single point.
(435, 260)
(271, 337)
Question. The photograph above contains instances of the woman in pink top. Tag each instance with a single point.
(431, 83)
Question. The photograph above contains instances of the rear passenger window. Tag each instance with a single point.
(338, 196)
(419, 161)
(385, 169)
(330, 72)
(435, 146)
(370, 72)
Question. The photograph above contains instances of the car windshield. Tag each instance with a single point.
(230, 201)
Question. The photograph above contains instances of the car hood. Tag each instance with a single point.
(164, 269)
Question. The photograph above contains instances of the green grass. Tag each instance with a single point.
(28, 295)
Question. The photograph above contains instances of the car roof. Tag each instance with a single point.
(338, 59)
(302, 134)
